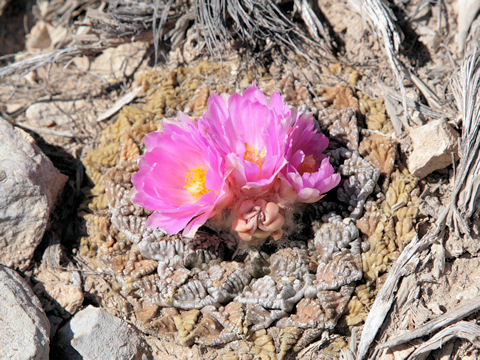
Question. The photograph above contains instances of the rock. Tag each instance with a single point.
(29, 187)
(45, 36)
(433, 145)
(50, 113)
(39, 38)
(60, 290)
(117, 63)
(95, 334)
(24, 327)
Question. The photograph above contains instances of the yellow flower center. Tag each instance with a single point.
(252, 155)
(307, 165)
(195, 182)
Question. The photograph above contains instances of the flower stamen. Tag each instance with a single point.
(253, 155)
(195, 182)
(307, 165)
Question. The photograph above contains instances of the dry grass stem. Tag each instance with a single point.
(254, 21)
(382, 23)
(463, 330)
(23, 67)
(124, 100)
(126, 18)
(404, 265)
(425, 110)
(315, 27)
(427, 92)
(465, 309)
(218, 21)
(465, 194)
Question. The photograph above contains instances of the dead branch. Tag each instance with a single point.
(465, 196)
(465, 309)
(382, 22)
(404, 265)
(462, 329)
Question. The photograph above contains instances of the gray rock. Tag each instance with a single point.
(29, 187)
(94, 334)
(24, 327)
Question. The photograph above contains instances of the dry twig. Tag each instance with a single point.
(24, 66)
(382, 22)
(124, 100)
(465, 309)
(404, 265)
(465, 195)
(462, 329)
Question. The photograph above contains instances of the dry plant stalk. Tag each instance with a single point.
(382, 23)
(462, 329)
(255, 21)
(22, 67)
(126, 18)
(465, 309)
(465, 195)
(405, 264)
(467, 11)
(315, 27)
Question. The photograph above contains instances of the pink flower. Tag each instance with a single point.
(181, 178)
(251, 134)
(248, 159)
(257, 220)
(309, 171)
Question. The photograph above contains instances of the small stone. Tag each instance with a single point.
(39, 37)
(58, 289)
(45, 36)
(12, 107)
(24, 327)
(45, 114)
(119, 62)
(95, 334)
(433, 145)
(28, 191)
